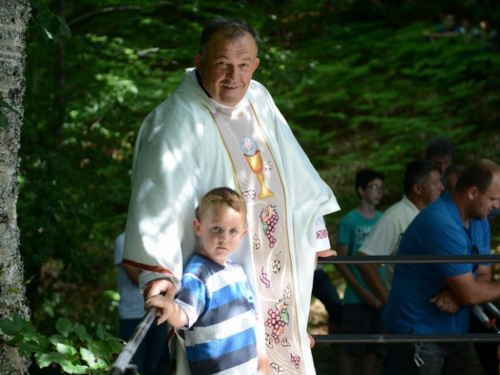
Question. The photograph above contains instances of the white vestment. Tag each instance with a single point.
(180, 155)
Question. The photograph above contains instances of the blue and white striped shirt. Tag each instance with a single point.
(221, 333)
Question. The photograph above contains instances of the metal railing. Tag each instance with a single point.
(122, 364)
(408, 338)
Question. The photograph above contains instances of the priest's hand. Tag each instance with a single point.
(324, 254)
(160, 286)
(311, 340)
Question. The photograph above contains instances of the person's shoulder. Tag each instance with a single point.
(186, 97)
(256, 84)
(235, 268)
(441, 209)
(394, 210)
(480, 225)
(435, 218)
(352, 214)
(232, 263)
(179, 103)
(256, 91)
(195, 264)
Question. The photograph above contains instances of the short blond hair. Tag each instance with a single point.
(222, 196)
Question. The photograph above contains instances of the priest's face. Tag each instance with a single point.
(226, 67)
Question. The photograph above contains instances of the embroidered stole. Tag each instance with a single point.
(261, 184)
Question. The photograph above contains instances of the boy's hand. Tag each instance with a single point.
(165, 307)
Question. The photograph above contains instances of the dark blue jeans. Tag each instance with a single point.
(438, 359)
(152, 356)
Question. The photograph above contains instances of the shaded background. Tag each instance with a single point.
(359, 83)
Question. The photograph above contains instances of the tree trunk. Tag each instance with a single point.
(14, 15)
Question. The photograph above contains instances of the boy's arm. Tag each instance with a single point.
(169, 311)
(367, 296)
(370, 275)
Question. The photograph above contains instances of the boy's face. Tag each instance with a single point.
(220, 230)
(373, 192)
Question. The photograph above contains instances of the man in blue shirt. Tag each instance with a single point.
(433, 298)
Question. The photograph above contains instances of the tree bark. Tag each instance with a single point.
(14, 15)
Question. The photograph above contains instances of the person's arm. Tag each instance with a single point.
(169, 311)
(446, 300)
(132, 273)
(483, 273)
(344, 270)
(322, 245)
(369, 273)
(472, 291)
(383, 240)
(157, 221)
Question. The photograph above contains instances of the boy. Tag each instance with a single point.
(215, 305)
(361, 307)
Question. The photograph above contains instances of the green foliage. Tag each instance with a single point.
(72, 348)
(51, 25)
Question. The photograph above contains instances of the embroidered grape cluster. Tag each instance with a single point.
(276, 323)
(295, 360)
(269, 217)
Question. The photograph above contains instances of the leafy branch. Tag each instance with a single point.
(53, 27)
(71, 347)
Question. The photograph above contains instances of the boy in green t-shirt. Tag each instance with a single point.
(361, 307)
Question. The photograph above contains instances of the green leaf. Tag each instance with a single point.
(71, 368)
(8, 106)
(95, 348)
(101, 332)
(81, 332)
(88, 357)
(64, 326)
(66, 350)
(56, 339)
(8, 327)
(45, 359)
(115, 346)
(101, 364)
(19, 321)
(4, 123)
(41, 340)
(31, 347)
